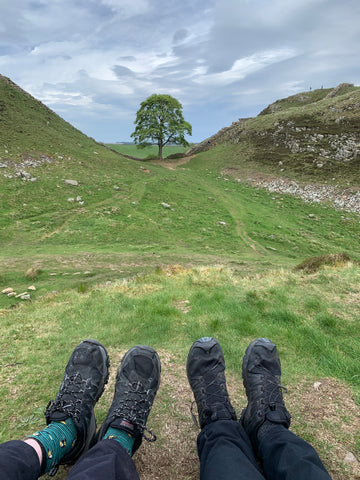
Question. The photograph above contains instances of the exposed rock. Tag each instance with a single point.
(345, 200)
(337, 89)
(7, 290)
(11, 294)
(23, 294)
(350, 458)
(74, 183)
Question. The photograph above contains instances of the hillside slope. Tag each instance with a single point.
(312, 134)
(71, 206)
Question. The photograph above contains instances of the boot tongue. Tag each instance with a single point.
(59, 416)
(278, 416)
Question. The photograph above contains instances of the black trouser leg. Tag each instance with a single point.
(225, 453)
(18, 461)
(107, 460)
(285, 456)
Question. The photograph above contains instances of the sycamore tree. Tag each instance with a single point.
(160, 120)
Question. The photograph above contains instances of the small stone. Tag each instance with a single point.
(71, 199)
(11, 294)
(311, 215)
(7, 290)
(74, 183)
(116, 187)
(21, 294)
(25, 297)
(78, 198)
(222, 223)
(32, 288)
(165, 205)
(317, 385)
(350, 458)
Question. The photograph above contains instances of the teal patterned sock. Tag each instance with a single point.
(124, 438)
(57, 439)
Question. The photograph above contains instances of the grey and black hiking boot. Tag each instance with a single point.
(261, 371)
(137, 381)
(84, 381)
(205, 369)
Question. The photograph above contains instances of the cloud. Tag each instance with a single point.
(223, 59)
(244, 67)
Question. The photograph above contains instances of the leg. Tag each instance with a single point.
(285, 456)
(108, 460)
(18, 461)
(226, 453)
(70, 418)
(266, 420)
(224, 448)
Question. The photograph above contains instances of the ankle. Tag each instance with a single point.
(37, 447)
(55, 441)
(124, 438)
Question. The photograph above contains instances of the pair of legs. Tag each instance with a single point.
(257, 446)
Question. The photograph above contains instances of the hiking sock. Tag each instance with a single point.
(124, 438)
(56, 440)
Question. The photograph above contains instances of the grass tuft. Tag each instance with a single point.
(314, 264)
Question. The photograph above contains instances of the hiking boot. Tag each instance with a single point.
(84, 381)
(137, 381)
(205, 369)
(261, 373)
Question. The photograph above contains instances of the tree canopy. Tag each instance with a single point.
(160, 120)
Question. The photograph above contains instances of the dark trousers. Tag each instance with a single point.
(226, 453)
(106, 460)
(224, 450)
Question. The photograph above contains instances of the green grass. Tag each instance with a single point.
(102, 270)
(316, 333)
(149, 152)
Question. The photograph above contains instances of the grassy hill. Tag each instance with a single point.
(311, 136)
(134, 252)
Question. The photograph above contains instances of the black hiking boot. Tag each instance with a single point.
(137, 381)
(261, 373)
(84, 381)
(205, 369)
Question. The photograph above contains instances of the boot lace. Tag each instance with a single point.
(134, 405)
(70, 397)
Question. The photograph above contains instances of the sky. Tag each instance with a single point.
(94, 61)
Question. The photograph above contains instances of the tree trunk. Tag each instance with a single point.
(160, 151)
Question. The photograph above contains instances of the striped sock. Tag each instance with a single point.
(124, 438)
(57, 439)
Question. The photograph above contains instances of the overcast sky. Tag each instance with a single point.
(94, 61)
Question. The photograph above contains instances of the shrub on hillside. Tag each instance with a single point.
(313, 264)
